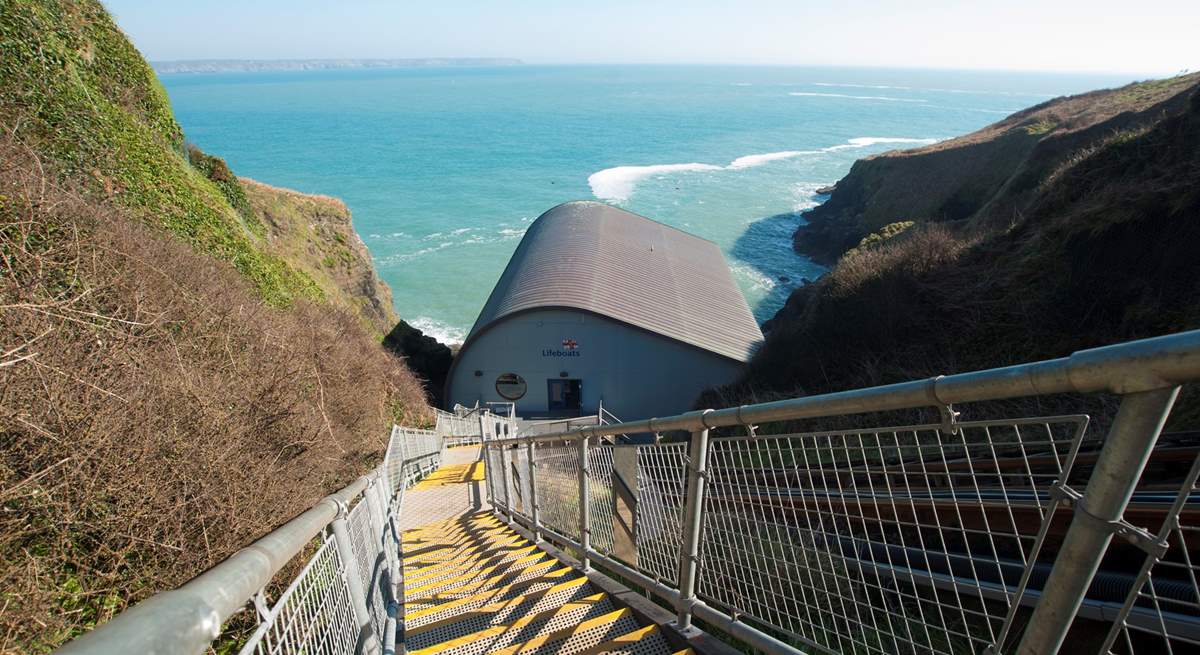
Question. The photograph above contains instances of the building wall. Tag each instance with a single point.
(637, 374)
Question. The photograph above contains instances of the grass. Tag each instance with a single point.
(80, 94)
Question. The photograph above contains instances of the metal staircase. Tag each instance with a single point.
(1000, 534)
(472, 586)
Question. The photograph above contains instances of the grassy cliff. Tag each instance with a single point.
(988, 178)
(1089, 237)
(187, 358)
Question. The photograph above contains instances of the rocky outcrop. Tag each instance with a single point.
(314, 234)
(428, 358)
(1074, 249)
(987, 177)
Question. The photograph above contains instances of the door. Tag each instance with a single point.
(566, 396)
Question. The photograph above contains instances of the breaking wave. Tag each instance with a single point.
(845, 95)
(443, 332)
(617, 184)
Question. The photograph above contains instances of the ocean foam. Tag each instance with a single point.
(750, 161)
(861, 86)
(617, 183)
(443, 332)
(843, 95)
(865, 141)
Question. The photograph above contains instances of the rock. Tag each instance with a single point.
(826, 190)
(428, 358)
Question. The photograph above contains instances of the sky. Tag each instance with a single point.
(1151, 36)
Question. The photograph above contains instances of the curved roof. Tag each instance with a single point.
(598, 258)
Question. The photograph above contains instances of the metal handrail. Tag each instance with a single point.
(1146, 373)
(187, 619)
(1126, 368)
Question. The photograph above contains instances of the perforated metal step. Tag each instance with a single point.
(422, 613)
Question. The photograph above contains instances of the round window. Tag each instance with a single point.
(510, 386)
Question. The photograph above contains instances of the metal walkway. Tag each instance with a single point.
(1005, 533)
(472, 585)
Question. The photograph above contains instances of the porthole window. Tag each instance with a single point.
(510, 386)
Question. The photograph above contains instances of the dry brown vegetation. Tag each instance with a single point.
(1106, 252)
(156, 413)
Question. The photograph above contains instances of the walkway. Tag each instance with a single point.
(472, 585)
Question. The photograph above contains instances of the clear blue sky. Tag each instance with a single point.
(1151, 36)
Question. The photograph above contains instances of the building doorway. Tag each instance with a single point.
(566, 396)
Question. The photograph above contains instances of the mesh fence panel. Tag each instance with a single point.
(880, 540)
(558, 487)
(662, 488)
(1161, 614)
(494, 474)
(600, 492)
(313, 615)
(366, 545)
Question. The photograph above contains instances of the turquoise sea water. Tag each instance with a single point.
(444, 168)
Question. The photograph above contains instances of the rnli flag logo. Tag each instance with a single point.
(570, 344)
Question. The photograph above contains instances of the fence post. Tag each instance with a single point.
(508, 511)
(533, 497)
(350, 573)
(585, 505)
(693, 522)
(1097, 517)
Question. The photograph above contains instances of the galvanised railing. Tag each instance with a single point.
(467, 426)
(344, 600)
(952, 537)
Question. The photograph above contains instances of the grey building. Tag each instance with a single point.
(601, 305)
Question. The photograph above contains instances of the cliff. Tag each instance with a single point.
(314, 234)
(187, 359)
(989, 177)
(1001, 247)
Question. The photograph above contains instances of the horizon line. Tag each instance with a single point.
(518, 61)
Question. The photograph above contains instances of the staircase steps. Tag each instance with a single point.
(472, 586)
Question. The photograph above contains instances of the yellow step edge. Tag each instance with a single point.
(623, 640)
(464, 540)
(686, 651)
(435, 554)
(444, 593)
(515, 625)
(421, 565)
(488, 570)
(533, 644)
(490, 608)
(452, 530)
(459, 521)
(489, 594)
(455, 532)
(464, 563)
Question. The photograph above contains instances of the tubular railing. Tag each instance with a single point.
(344, 600)
(956, 536)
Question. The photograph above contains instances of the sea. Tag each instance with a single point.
(445, 168)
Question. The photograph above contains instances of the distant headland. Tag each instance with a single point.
(260, 65)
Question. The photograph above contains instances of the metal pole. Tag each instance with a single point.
(504, 480)
(693, 520)
(358, 598)
(585, 507)
(533, 498)
(1097, 515)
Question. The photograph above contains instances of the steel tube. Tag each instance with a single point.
(1123, 368)
(187, 619)
(350, 574)
(1123, 458)
(533, 497)
(585, 505)
(693, 522)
